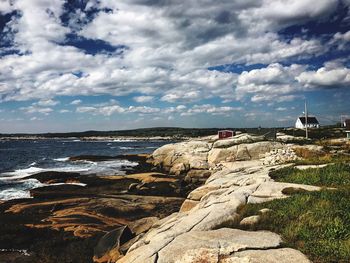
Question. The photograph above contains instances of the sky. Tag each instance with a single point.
(109, 65)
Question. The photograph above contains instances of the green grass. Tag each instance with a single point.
(316, 223)
(333, 175)
(324, 159)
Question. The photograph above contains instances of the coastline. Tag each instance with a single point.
(99, 138)
(179, 193)
(209, 227)
(65, 211)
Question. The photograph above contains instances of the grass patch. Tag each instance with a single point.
(316, 223)
(335, 175)
(324, 159)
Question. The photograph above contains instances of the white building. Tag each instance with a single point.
(312, 122)
(347, 128)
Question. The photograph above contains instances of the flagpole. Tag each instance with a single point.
(306, 128)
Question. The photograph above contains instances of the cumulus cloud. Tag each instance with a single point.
(105, 110)
(47, 102)
(35, 109)
(326, 77)
(211, 109)
(76, 102)
(167, 47)
(143, 99)
(275, 82)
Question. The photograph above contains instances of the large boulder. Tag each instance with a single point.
(258, 150)
(178, 158)
(209, 246)
(242, 152)
(218, 155)
(238, 139)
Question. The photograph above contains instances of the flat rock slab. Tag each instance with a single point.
(210, 245)
(273, 190)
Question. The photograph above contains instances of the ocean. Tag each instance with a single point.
(22, 158)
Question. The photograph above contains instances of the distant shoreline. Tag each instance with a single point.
(97, 138)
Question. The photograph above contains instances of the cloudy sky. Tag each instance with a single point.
(104, 64)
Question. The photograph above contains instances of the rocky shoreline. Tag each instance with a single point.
(181, 204)
(64, 221)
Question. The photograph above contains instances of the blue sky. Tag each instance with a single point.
(106, 65)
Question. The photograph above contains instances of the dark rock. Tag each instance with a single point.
(107, 249)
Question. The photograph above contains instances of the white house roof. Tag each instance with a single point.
(310, 120)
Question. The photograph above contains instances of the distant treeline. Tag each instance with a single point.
(145, 132)
(174, 132)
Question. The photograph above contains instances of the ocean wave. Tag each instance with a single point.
(81, 166)
(20, 190)
(63, 159)
(21, 173)
(13, 193)
(18, 186)
(22, 251)
(125, 140)
(126, 148)
(80, 184)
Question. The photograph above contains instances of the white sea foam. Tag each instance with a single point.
(21, 190)
(21, 186)
(13, 193)
(126, 148)
(33, 163)
(63, 159)
(22, 251)
(21, 173)
(80, 184)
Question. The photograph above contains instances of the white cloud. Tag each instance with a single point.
(281, 109)
(143, 109)
(143, 99)
(326, 77)
(275, 82)
(5, 6)
(64, 111)
(36, 119)
(211, 109)
(76, 102)
(47, 102)
(105, 110)
(170, 46)
(35, 109)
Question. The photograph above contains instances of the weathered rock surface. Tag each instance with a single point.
(249, 221)
(279, 156)
(64, 222)
(181, 158)
(282, 137)
(203, 230)
(238, 139)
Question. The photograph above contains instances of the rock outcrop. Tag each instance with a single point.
(205, 228)
(186, 157)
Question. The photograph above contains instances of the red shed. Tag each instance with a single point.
(225, 134)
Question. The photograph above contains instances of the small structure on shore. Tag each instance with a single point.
(310, 122)
(347, 128)
(223, 134)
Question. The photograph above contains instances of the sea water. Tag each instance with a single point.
(22, 158)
